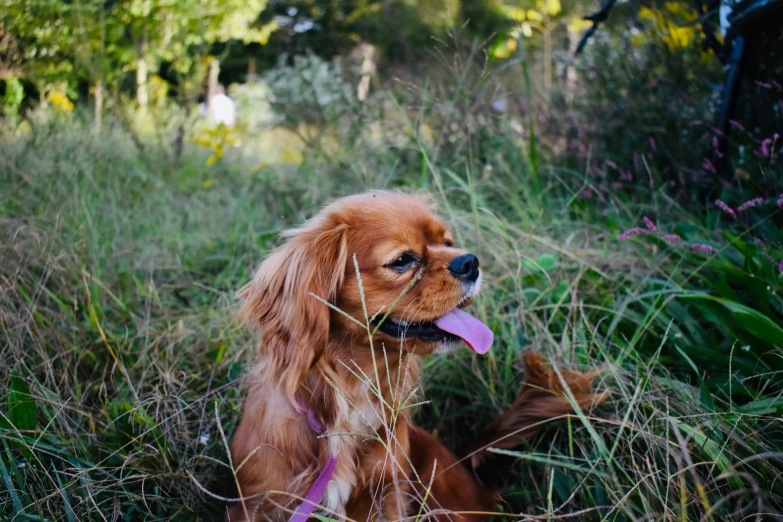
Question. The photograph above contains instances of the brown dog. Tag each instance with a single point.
(340, 355)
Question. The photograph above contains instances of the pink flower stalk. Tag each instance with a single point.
(727, 209)
(780, 266)
(632, 232)
(780, 200)
(611, 163)
(764, 149)
(758, 242)
(709, 166)
(649, 224)
(715, 146)
(749, 204)
(737, 124)
(707, 249)
(671, 238)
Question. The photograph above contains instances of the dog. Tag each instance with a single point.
(347, 307)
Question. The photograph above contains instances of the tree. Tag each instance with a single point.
(181, 32)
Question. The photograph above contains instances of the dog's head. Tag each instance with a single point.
(413, 283)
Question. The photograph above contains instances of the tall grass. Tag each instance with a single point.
(119, 359)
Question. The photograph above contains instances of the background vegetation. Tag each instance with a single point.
(613, 237)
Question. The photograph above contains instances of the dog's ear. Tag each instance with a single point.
(279, 299)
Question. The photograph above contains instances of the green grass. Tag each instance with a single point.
(120, 358)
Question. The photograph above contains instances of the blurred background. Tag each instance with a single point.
(619, 177)
(649, 82)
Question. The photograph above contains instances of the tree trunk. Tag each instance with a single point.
(142, 96)
(251, 70)
(548, 54)
(212, 83)
(98, 106)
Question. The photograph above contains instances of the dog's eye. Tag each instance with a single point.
(449, 243)
(404, 262)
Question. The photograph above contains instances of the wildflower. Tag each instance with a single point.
(653, 145)
(727, 209)
(767, 145)
(715, 145)
(780, 200)
(764, 149)
(649, 224)
(780, 266)
(671, 238)
(632, 232)
(611, 163)
(60, 102)
(203, 439)
(707, 249)
(709, 166)
(737, 124)
(758, 242)
(749, 204)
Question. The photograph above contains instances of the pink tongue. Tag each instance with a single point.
(476, 334)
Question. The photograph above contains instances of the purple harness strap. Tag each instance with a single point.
(317, 490)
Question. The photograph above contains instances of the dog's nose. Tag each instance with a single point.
(465, 267)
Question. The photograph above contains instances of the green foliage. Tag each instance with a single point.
(22, 410)
(12, 99)
(311, 90)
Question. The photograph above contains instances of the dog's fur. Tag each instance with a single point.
(316, 358)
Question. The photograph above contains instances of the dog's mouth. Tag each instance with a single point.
(451, 327)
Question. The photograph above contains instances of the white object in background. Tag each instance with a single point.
(726, 7)
(223, 110)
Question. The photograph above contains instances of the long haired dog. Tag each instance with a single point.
(347, 306)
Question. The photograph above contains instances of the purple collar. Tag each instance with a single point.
(317, 490)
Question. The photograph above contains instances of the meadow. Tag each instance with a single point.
(120, 358)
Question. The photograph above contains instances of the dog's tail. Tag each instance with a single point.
(541, 398)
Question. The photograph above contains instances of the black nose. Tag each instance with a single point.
(465, 267)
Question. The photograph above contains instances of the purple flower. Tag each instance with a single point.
(737, 124)
(611, 163)
(671, 238)
(764, 150)
(653, 146)
(727, 209)
(707, 249)
(758, 242)
(780, 266)
(748, 204)
(631, 232)
(709, 166)
(649, 224)
(780, 200)
(715, 146)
